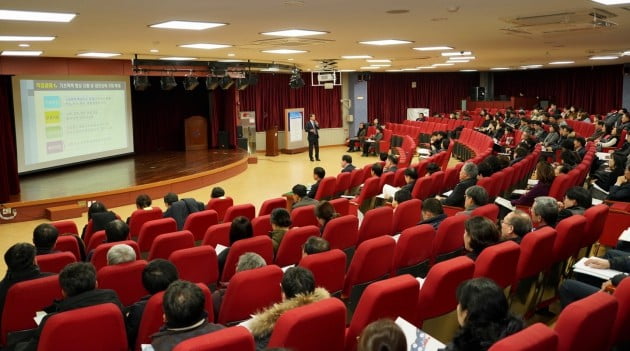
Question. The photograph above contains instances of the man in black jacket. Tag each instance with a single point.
(467, 178)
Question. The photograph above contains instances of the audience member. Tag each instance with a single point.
(554, 135)
(515, 225)
(382, 335)
(373, 142)
(315, 244)
(217, 192)
(609, 139)
(184, 316)
(620, 191)
(280, 222)
(241, 228)
(545, 212)
(301, 198)
(576, 201)
(324, 212)
(545, 176)
(600, 128)
(519, 154)
(143, 202)
(115, 231)
(391, 164)
(475, 196)
(121, 253)
(411, 175)
(346, 164)
(246, 261)
(432, 213)
(579, 144)
(400, 196)
(376, 170)
(44, 237)
(484, 169)
(355, 143)
(99, 216)
(432, 167)
(179, 210)
(467, 178)
(298, 287)
(479, 233)
(605, 180)
(318, 174)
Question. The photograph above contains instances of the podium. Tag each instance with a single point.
(271, 140)
(196, 133)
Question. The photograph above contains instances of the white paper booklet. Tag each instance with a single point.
(504, 202)
(389, 191)
(605, 274)
(219, 248)
(625, 235)
(418, 339)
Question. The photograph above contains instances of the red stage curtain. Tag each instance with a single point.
(272, 95)
(9, 181)
(596, 89)
(390, 94)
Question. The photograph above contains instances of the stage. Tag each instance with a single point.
(65, 192)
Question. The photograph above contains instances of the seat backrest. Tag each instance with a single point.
(399, 177)
(437, 183)
(220, 204)
(498, 262)
(328, 268)
(259, 244)
(198, 222)
(537, 337)
(595, 220)
(376, 222)
(413, 247)
(102, 327)
(23, 300)
(407, 215)
(271, 204)
(341, 205)
(196, 264)
(437, 294)
(586, 324)
(326, 189)
(54, 262)
(217, 234)
(261, 225)
(165, 244)
(139, 217)
(343, 182)
(369, 190)
(229, 339)
(125, 279)
(449, 237)
(570, 233)
(371, 261)
(303, 216)
(245, 210)
(96, 239)
(356, 178)
(342, 232)
(490, 211)
(68, 243)
(317, 326)
(622, 320)
(559, 186)
(99, 257)
(239, 302)
(290, 249)
(388, 298)
(386, 178)
(422, 189)
(151, 229)
(536, 253)
(65, 227)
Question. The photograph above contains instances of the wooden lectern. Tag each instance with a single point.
(196, 133)
(271, 138)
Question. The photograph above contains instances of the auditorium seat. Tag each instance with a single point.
(388, 298)
(342, 206)
(290, 250)
(250, 291)
(449, 238)
(65, 227)
(314, 327)
(343, 183)
(356, 180)
(413, 251)
(125, 279)
(99, 258)
(407, 215)
(422, 189)
(399, 178)
(54, 262)
(437, 299)
(246, 210)
(342, 232)
(537, 337)
(68, 243)
(217, 234)
(95, 240)
(595, 220)
(498, 262)
(151, 229)
(437, 184)
(328, 268)
(99, 327)
(23, 300)
(196, 264)
(197, 223)
(376, 222)
(228, 339)
(165, 244)
(261, 225)
(220, 205)
(622, 320)
(139, 217)
(386, 178)
(365, 200)
(490, 211)
(271, 204)
(303, 216)
(326, 189)
(259, 244)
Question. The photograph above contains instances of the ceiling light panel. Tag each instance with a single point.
(499, 68)
(613, 2)
(531, 66)
(434, 48)
(604, 57)
(379, 61)
(21, 53)
(356, 57)
(385, 42)
(458, 53)
(187, 25)
(294, 33)
(24, 38)
(36, 16)
(561, 62)
(205, 46)
(442, 64)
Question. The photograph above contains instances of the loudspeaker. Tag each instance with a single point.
(478, 93)
(242, 143)
(239, 131)
(223, 139)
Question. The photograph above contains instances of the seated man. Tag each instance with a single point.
(217, 192)
(545, 212)
(180, 209)
(346, 164)
(432, 213)
(78, 287)
(475, 196)
(298, 287)
(373, 142)
(376, 170)
(318, 174)
(143, 202)
(280, 220)
(157, 275)
(515, 225)
(391, 164)
(576, 201)
(44, 237)
(400, 196)
(621, 190)
(315, 244)
(121, 253)
(184, 315)
(301, 198)
(467, 178)
(411, 175)
(115, 231)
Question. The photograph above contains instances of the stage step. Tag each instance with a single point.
(64, 212)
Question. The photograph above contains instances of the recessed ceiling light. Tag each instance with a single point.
(499, 68)
(24, 45)
(457, 53)
(154, 50)
(385, 42)
(393, 70)
(36, 16)
(376, 61)
(613, 2)
(346, 70)
(290, 59)
(380, 65)
(626, 53)
(425, 67)
(294, 33)
(561, 62)
(98, 54)
(434, 48)
(20, 53)
(356, 57)
(604, 57)
(370, 67)
(411, 69)
(462, 58)
(468, 70)
(284, 51)
(531, 66)
(187, 25)
(175, 58)
(231, 54)
(442, 64)
(457, 61)
(24, 38)
(204, 46)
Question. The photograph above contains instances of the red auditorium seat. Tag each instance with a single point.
(139, 217)
(196, 264)
(125, 279)
(271, 204)
(498, 262)
(303, 216)
(413, 251)
(342, 205)
(622, 320)
(326, 189)
(151, 229)
(317, 326)
(245, 210)
(366, 197)
(290, 249)
(261, 225)
(586, 324)
(342, 232)
(490, 211)
(437, 184)
(328, 268)
(570, 234)
(259, 244)
(386, 178)
(388, 298)
(99, 258)
(356, 179)
(376, 222)
(229, 339)
(451, 177)
(99, 327)
(197, 223)
(65, 227)
(449, 239)
(399, 177)
(595, 220)
(343, 183)
(217, 234)
(422, 189)
(68, 243)
(537, 337)
(250, 291)
(220, 205)
(407, 215)
(96, 239)
(54, 262)
(165, 244)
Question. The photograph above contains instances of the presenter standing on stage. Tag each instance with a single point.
(312, 128)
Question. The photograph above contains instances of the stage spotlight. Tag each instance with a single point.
(250, 79)
(226, 83)
(212, 82)
(190, 83)
(141, 82)
(168, 83)
(296, 81)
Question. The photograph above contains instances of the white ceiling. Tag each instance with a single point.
(471, 25)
